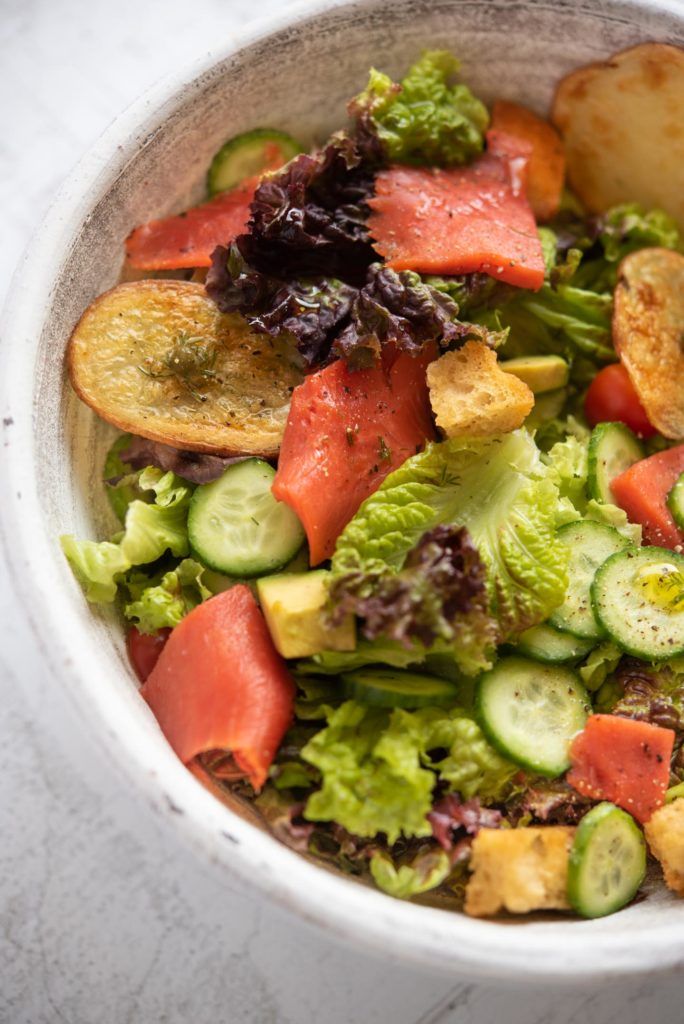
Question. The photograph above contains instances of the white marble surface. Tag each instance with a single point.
(102, 919)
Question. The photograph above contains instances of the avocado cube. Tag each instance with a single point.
(294, 606)
(540, 373)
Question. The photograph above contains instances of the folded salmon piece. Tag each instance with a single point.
(188, 239)
(462, 219)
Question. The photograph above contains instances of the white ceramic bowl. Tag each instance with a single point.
(296, 75)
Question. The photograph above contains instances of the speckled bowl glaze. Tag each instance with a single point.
(294, 73)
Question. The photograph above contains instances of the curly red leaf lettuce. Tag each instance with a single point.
(440, 593)
(455, 823)
(329, 318)
(310, 217)
(402, 309)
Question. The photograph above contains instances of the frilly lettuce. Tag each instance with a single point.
(150, 529)
(603, 660)
(569, 463)
(373, 780)
(96, 565)
(156, 605)
(426, 119)
(501, 491)
(426, 871)
(471, 766)
(439, 594)
(621, 230)
(378, 775)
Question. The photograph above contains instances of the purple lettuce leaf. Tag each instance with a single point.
(400, 308)
(440, 593)
(650, 695)
(310, 310)
(455, 823)
(550, 802)
(196, 467)
(310, 217)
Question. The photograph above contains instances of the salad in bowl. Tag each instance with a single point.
(400, 486)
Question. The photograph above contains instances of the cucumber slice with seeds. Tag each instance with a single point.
(237, 527)
(613, 448)
(590, 545)
(546, 644)
(675, 502)
(385, 688)
(530, 712)
(638, 597)
(607, 861)
(249, 154)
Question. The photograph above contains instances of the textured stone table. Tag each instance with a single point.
(102, 919)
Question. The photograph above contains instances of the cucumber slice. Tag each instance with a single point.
(638, 597)
(237, 527)
(590, 545)
(613, 448)
(675, 502)
(249, 154)
(546, 644)
(607, 862)
(530, 712)
(386, 688)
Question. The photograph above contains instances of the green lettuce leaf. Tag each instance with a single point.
(96, 566)
(428, 119)
(428, 870)
(150, 529)
(373, 780)
(501, 491)
(603, 660)
(377, 771)
(569, 463)
(156, 605)
(566, 320)
(471, 766)
(119, 478)
(624, 229)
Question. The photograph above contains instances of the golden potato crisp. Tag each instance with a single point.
(157, 358)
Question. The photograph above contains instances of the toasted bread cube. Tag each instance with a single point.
(471, 396)
(665, 837)
(519, 870)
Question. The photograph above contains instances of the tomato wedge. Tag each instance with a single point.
(461, 219)
(345, 432)
(220, 684)
(612, 398)
(144, 650)
(642, 492)
(188, 239)
(624, 761)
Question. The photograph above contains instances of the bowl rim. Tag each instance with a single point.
(403, 932)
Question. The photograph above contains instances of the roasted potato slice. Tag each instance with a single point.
(546, 169)
(157, 358)
(623, 128)
(648, 333)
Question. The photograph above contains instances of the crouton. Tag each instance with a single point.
(519, 870)
(665, 836)
(471, 396)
